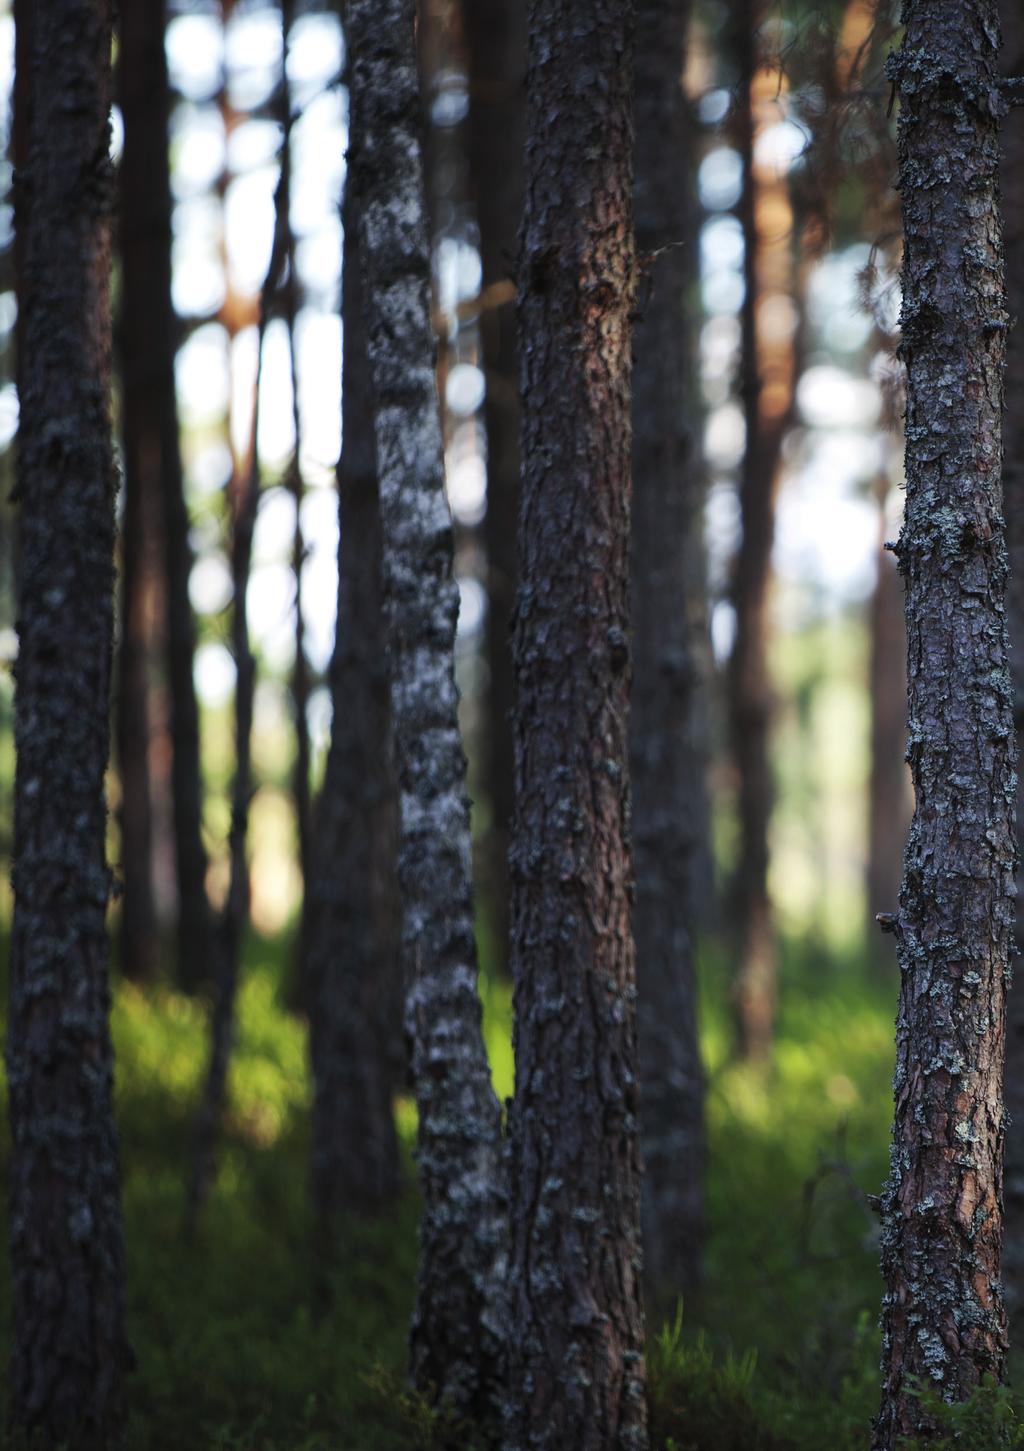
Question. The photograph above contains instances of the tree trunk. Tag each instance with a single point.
(145, 371)
(244, 497)
(576, 1347)
(70, 1351)
(352, 938)
(152, 455)
(459, 1320)
(1012, 188)
(495, 32)
(889, 796)
(943, 1318)
(666, 743)
(767, 385)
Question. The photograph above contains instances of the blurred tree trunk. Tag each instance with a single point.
(243, 501)
(1012, 188)
(144, 371)
(459, 1320)
(767, 383)
(666, 743)
(69, 1347)
(576, 1345)
(890, 800)
(352, 933)
(943, 1320)
(148, 342)
(495, 33)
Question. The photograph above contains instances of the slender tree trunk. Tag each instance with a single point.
(767, 389)
(352, 936)
(889, 796)
(943, 1318)
(139, 938)
(147, 372)
(290, 296)
(667, 764)
(459, 1321)
(576, 1344)
(70, 1351)
(1012, 188)
(244, 496)
(495, 32)
(152, 455)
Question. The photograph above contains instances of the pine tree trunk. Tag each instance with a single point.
(767, 388)
(576, 1344)
(1012, 189)
(70, 1351)
(146, 372)
(495, 32)
(665, 732)
(352, 937)
(152, 454)
(139, 938)
(459, 1321)
(943, 1318)
(889, 796)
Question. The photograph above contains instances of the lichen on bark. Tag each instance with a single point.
(459, 1322)
(943, 1319)
(69, 1346)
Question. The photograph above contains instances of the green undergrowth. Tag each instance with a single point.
(778, 1350)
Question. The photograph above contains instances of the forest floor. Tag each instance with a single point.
(779, 1352)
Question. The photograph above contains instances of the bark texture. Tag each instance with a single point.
(495, 35)
(459, 1319)
(1012, 188)
(666, 741)
(352, 936)
(66, 1240)
(943, 1318)
(148, 342)
(576, 1347)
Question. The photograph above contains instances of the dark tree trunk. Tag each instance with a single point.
(244, 497)
(459, 1321)
(68, 1281)
(750, 693)
(145, 229)
(577, 1324)
(890, 799)
(943, 1319)
(290, 297)
(666, 742)
(352, 933)
(1012, 188)
(495, 32)
(148, 338)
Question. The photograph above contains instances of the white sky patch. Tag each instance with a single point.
(214, 674)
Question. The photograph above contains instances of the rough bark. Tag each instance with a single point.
(749, 685)
(943, 1318)
(666, 743)
(69, 1345)
(1012, 188)
(148, 342)
(576, 1347)
(352, 934)
(889, 796)
(459, 1319)
(495, 33)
